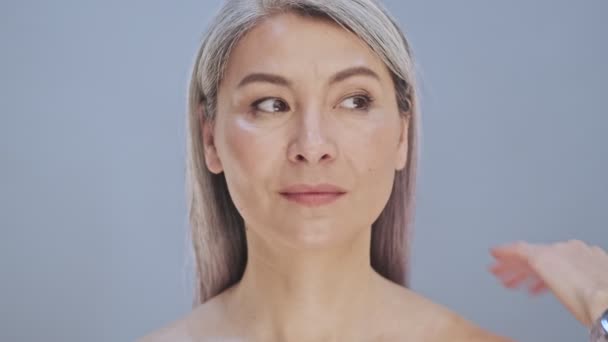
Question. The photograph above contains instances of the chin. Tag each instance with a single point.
(317, 236)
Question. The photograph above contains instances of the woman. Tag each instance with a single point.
(302, 160)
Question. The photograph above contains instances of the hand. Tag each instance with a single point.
(575, 272)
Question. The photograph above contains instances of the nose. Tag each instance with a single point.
(312, 141)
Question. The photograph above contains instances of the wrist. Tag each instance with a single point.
(598, 304)
(599, 329)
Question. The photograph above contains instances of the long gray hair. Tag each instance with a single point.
(217, 228)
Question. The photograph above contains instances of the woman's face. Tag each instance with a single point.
(304, 102)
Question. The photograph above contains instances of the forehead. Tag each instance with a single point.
(300, 47)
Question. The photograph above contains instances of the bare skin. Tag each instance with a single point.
(406, 316)
(574, 271)
(308, 276)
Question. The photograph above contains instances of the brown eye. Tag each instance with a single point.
(270, 105)
(358, 102)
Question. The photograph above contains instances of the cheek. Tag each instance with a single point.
(247, 160)
(374, 150)
(241, 148)
(373, 157)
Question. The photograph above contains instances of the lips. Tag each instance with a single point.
(312, 195)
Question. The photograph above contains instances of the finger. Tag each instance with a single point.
(502, 267)
(537, 287)
(516, 250)
(508, 275)
(516, 279)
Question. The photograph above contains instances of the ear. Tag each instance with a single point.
(212, 159)
(402, 144)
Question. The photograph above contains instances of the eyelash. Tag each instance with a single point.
(368, 102)
(254, 105)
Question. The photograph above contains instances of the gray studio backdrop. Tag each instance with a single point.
(92, 147)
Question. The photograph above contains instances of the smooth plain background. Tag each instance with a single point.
(92, 149)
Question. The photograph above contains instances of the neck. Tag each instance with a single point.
(287, 294)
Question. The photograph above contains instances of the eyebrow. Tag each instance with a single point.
(354, 71)
(282, 81)
(264, 78)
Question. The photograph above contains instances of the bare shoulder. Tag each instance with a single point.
(175, 331)
(460, 329)
(433, 321)
(202, 324)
